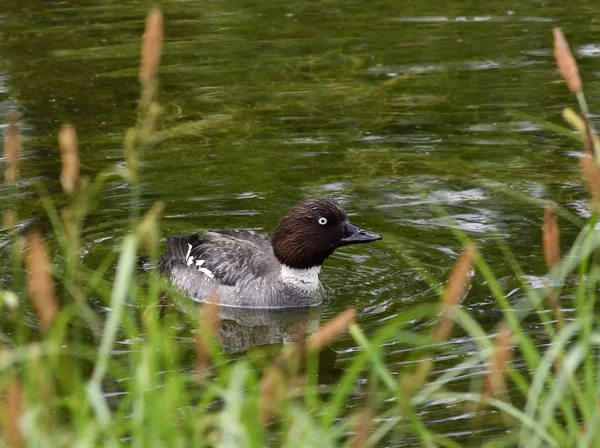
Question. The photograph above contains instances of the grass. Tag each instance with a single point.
(66, 383)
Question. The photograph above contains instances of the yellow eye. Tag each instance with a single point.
(322, 220)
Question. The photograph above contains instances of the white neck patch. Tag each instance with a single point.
(307, 279)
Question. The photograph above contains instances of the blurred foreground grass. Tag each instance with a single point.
(64, 383)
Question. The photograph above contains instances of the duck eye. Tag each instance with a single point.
(322, 220)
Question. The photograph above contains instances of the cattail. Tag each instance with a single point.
(281, 378)
(41, 285)
(360, 429)
(151, 46)
(331, 330)
(9, 219)
(210, 325)
(566, 62)
(282, 375)
(455, 289)
(551, 238)
(210, 313)
(202, 356)
(272, 391)
(12, 149)
(67, 142)
(591, 174)
(499, 362)
(13, 404)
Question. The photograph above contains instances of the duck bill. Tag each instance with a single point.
(355, 235)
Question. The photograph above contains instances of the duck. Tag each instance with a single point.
(249, 269)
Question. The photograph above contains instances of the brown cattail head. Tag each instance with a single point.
(67, 142)
(591, 174)
(41, 285)
(13, 408)
(210, 325)
(12, 149)
(202, 355)
(499, 363)
(566, 62)
(331, 330)
(272, 392)
(210, 313)
(455, 289)
(151, 46)
(551, 237)
(280, 379)
(10, 219)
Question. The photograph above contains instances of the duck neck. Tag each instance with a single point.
(306, 279)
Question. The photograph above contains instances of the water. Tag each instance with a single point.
(390, 106)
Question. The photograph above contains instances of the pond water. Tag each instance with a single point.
(391, 106)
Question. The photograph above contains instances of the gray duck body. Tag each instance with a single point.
(247, 269)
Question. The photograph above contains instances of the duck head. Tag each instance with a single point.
(311, 230)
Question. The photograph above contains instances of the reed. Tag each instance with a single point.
(13, 411)
(551, 243)
(41, 284)
(271, 393)
(455, 289)
(566, 62)
(591, 175)
(69, 153)
(551, 238)
(9, 219)
(204, 339)
(329, 332)
(151, 47)
(496, 379)
(569, 71)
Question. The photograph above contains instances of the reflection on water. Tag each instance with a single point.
(242, 329)
(393, 106)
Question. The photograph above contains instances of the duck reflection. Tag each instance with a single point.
(242, 329)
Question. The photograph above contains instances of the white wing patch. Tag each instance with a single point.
(205, 271)
(189, 260)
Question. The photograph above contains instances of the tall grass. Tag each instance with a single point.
(64, 384)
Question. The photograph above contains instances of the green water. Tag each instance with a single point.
(391, 106)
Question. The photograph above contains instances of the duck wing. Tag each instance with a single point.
(226, 256)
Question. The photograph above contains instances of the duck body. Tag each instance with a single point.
(236, 268)
(247, 269)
